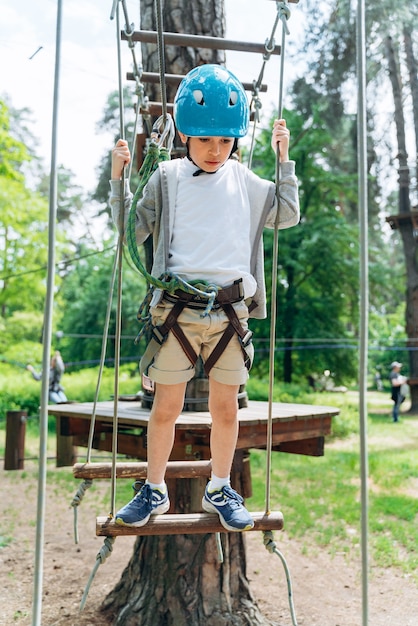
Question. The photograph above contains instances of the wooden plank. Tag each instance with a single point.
(291, 423)
(175, 79)
(131, 413)
(174, 469)
(155, 109)
(255, 437)
(189, 523)
(199, 41)
(309, 447)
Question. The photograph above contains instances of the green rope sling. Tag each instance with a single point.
(168, 281)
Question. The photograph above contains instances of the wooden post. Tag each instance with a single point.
(14, 456)
(66, 451)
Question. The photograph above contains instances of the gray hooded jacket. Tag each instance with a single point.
(155, 214)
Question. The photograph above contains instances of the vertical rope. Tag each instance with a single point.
(119, 256)
(284, 14)
(102, 359)
(364, 291)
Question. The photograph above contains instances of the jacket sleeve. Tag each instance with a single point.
(145, 209)
(289, 211)
(116, 203)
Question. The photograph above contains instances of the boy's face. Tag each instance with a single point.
(209, 153)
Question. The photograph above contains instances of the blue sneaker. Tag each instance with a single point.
(229, 506)
(147, 502)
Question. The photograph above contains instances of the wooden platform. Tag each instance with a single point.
(297, 428)
(187, 523)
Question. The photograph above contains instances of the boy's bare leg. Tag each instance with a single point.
(219, 497)
(167, 406)
(223, 406)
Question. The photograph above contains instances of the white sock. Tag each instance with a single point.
(162, 487)
(216, 483)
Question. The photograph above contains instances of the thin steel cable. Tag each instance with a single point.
(161, 57)
(284, 15)
(142, 100)
(255, 100)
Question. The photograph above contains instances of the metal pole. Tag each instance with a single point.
(364, 294)
(43, 422)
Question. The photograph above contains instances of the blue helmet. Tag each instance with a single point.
(211, 102)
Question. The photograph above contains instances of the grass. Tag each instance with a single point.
(319, 496)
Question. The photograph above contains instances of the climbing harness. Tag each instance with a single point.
(181, 299)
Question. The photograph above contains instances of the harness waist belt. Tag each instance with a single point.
(232, 293)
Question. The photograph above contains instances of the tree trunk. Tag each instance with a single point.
(178, 580)
(407, 229)
(412, 66)
(199, 17)
(402, 156)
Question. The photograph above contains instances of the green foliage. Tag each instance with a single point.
(20, 392)
(110, 123)
(81, 386)
(85, 292)
(21, 326)
(13, 153)
(23, 217)
(318, 271)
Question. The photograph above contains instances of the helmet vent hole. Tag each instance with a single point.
(198, 96)
(233, 98)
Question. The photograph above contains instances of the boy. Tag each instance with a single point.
(206, 213)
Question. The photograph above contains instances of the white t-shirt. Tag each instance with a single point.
(211, 228)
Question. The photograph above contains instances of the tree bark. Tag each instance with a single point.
(178, 580)
(412, 67)
(198, 17)
(406, 228)
(402, 156)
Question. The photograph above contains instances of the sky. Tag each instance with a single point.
(89, 68)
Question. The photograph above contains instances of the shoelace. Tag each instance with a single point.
(143, 491)
(236, 499)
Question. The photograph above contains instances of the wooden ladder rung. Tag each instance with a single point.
(189, 523)
(175, 469)
(175, 79)
(199, 41)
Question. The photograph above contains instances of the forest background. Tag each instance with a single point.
(318, 292)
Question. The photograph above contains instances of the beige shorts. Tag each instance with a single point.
(171, 365)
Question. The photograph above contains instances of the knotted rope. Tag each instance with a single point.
(271, 546)
(104, 552)
(81, 492)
